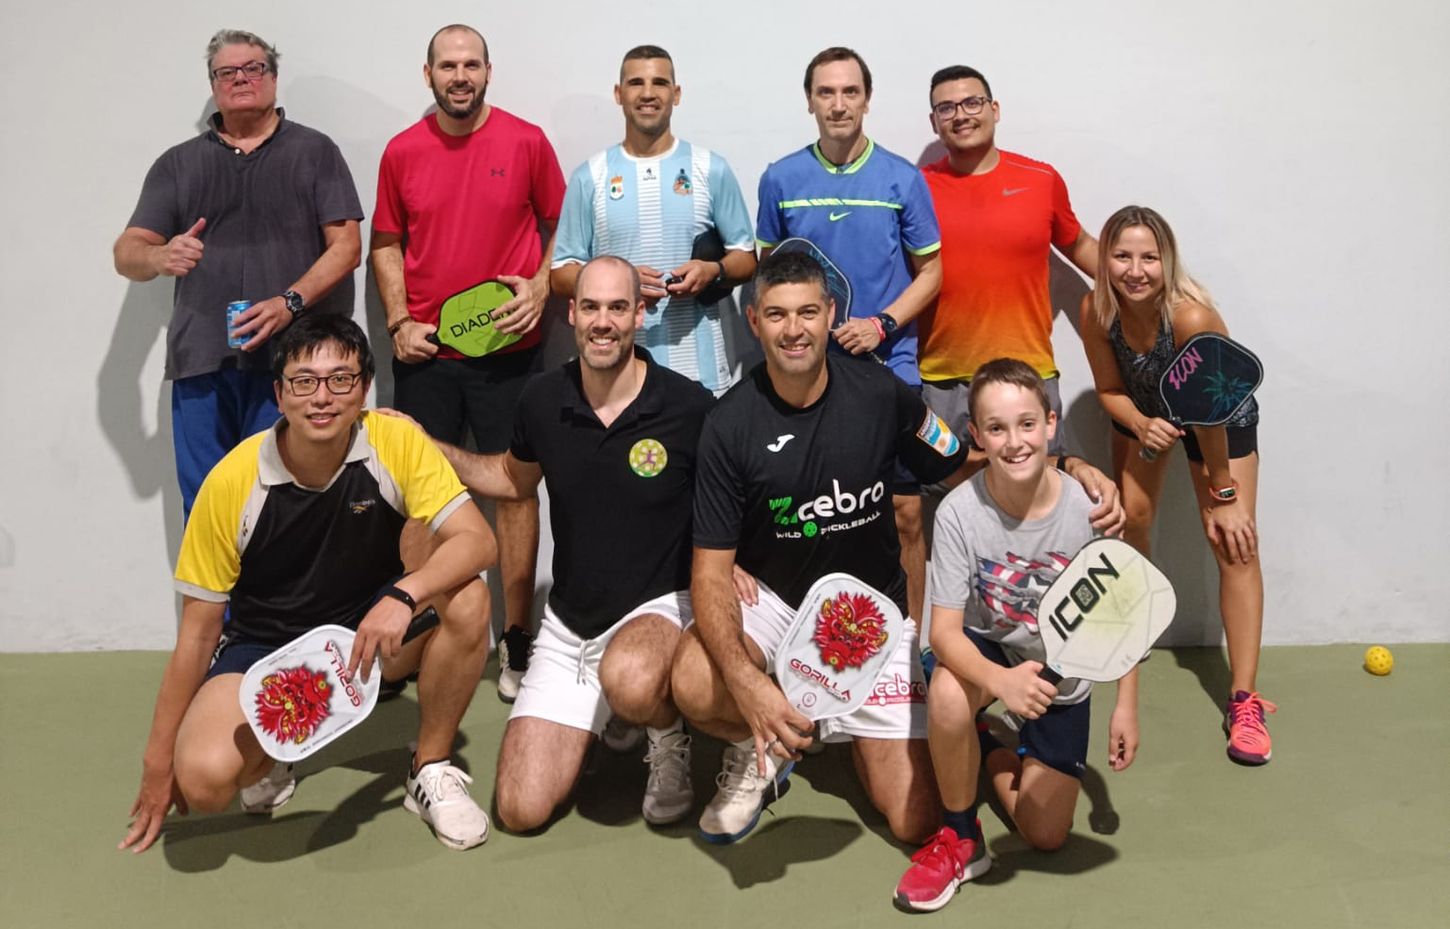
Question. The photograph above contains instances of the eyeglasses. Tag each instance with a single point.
(252, 71)
(305, 385)
(971, 106)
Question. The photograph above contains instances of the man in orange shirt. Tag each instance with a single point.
(1000, 214)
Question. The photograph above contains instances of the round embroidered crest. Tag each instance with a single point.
(647, 458)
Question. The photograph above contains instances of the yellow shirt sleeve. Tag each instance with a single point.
(431, 489)
(211, 558)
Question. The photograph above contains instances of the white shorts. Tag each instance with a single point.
(896, 708)
(562, 683)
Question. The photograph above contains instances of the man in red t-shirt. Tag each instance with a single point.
(1000, 215)
(467, 194)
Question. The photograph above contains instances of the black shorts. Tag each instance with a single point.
(1243, 441)
(448, 396)
(236, 652)
(1057, 738)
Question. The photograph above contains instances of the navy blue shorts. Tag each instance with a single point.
(1243, 441)
(1057, 738)
(236, 654)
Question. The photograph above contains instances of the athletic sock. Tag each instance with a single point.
(418, 767)
(656, 734)
(963, 822)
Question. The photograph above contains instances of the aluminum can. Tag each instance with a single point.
(234, 309)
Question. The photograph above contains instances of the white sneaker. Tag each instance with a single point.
(439, 795)
(743, 793)
(271, 792)
(513, 660)
(620, 736)
(668, 795)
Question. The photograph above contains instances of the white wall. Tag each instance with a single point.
(1300, 150)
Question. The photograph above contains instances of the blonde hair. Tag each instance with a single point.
(1178, 286)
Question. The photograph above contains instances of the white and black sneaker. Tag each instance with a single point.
(438, 793)
(513, 660)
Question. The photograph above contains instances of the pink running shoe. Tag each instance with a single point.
(1248, 737)
(944, 863)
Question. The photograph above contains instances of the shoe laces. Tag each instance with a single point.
(939, 853)
(740, 776)
(669, 760)
(444, 782)
(1249, 712)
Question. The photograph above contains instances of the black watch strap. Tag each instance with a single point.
(399, 594)
(294, 302)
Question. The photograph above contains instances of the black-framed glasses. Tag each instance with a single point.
(305, 385)
(971, 106)
(252, 71)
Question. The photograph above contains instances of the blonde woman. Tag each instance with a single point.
(1144, 307)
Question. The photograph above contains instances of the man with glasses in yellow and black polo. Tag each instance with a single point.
(298, 527)
(257, 209)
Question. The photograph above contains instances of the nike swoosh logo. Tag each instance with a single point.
(780, 441)
(835, 216)
(1009, 191)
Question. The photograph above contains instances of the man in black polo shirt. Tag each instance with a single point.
(613, 434)
(796, 466)
(298, 527)
(256, 208)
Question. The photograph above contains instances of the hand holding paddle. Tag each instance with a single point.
(841, 639)
(476, 321)
(1206, 384)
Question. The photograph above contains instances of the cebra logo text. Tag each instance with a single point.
(837, 503)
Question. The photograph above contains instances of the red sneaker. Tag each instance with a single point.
(1248, 737)
(942, 865)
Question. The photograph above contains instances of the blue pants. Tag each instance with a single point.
(210, 415)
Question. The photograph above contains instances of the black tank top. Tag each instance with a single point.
(1141, 374)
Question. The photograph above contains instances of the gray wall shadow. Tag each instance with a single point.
(149, 461)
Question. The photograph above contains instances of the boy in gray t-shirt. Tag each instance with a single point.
(1000, 541)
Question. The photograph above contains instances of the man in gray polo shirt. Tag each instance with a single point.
(256, 208)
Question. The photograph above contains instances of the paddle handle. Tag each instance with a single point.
(1147, 454)
(423, 622)
(1050, 676)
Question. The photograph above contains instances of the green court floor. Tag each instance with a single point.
(1348, 826)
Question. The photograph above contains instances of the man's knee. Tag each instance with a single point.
(635, 670)
(692, 678)
(915, 820)
(521, 808)
(466, 615)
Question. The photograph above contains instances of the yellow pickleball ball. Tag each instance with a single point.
(1378, 660)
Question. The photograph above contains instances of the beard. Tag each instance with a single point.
(447, 107)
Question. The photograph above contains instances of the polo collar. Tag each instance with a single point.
(650, 399)
(851, 168)
(214, 128)
(271, 470)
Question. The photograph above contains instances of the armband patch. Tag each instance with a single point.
(935, 433)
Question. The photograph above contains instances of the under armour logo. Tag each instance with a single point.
(495, 172)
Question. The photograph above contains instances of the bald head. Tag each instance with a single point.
(604, 270)
(447, 30)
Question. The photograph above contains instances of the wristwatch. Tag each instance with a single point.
(294, 302)
(888, 323)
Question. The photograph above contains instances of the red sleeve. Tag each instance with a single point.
(1065, 227)
(389, 216)
(547, 190)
